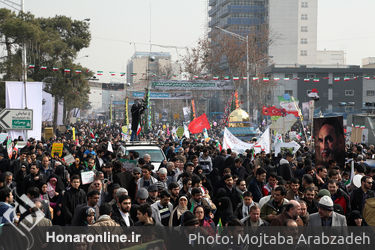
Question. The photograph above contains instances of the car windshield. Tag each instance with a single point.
(156, 155)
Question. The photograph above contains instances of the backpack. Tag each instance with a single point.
(369, 211)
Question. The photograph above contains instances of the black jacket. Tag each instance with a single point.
(358, 198)
(71, 199)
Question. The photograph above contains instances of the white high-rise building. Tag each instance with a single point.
(293, 31)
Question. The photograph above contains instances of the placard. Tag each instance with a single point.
(87, 177)
(57, 148)
(69, 159)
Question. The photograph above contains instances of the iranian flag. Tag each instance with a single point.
(286, 78)
(139, 129)
(346, 79)
(31, 66)
(196, 77)
(112, 73)
(326, 78)
(122, 74)
(153, 75)
(336, 79)
(67, 70)
(366, 77)
(43, 67)
(296, 78)
(99, 73)
(55, 69)
(92, 134)
(316, 80)
(215, 78)
(255, 78)
(266, 79)
(362, 127)
(226, 78)
(174, 75)
(78, 71)
(276, 78)
(133, 74)
(244, 78)
(236, 78)
(306, 80)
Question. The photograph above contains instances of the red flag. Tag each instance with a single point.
(198, 124)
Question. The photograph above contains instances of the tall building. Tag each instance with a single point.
(292, 26)
(293, 30)
(238, 16)
(145, 66)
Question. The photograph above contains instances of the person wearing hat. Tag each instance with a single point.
(188, 219)
(325, 215)
(153, 193)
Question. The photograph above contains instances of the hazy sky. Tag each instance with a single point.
(342, 25)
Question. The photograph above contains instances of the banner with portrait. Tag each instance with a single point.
(329, 140)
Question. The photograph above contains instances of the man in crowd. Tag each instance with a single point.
(162, 210)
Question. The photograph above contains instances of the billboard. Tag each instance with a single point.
(193, 85)
(329, 140)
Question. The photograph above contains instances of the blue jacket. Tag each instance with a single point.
(3, 208)
(256, 189)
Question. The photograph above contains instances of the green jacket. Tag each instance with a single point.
(269, 208)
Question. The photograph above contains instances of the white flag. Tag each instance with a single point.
(109, 148)
(186, 132)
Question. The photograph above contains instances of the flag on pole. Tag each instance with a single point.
(336, 79)
(306, 80)
(43, 67)
(236, 78)
(198, 124)
(219, 227)
(67, 70)
(112, 73)
(196, 77)
(31, 66)
(316, 80)
(326, 78)
(122, 73)
(366, 77)
(215, 78)
(346, 79)
(266, 79)
(244, 78)
(276, 78)
(286, 78)
(78, 71)
(55, 69)
(226, 78)
(133, 74)
(99, 73)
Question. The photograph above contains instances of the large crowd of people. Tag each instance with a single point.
(198, 184)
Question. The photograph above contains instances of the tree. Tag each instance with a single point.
(50, 42)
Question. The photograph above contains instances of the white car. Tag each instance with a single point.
(157, 155)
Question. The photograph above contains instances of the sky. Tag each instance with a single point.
(121, 27)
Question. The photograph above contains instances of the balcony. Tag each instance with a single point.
(212, 2)
(212, 11)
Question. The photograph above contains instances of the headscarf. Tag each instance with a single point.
(89, 210)
(180, 209)
(51, 188)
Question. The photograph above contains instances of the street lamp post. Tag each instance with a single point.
(243, 39)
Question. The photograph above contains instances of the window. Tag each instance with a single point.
(304, 29)
(349, 92)
(303, 40)
(289, 92)
(303, 52)
(370, 93)
(304, 5)
(304, 17)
